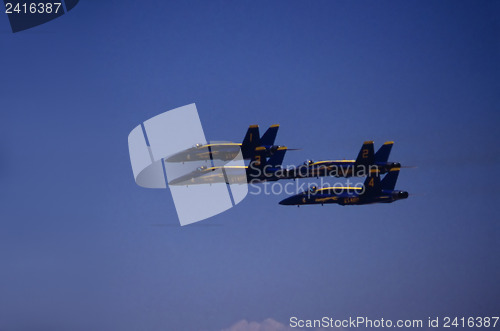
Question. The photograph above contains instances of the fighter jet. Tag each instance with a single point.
(227, 151)
(259, 170)
(360, 167)
(373, 191)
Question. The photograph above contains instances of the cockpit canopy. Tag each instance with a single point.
(308, 162)
(198, 145)
(201, 168)
(313, 189)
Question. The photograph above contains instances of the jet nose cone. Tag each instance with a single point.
(289, 201)
(182, 180)
(176, 181)
(175, 158)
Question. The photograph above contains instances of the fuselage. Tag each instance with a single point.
(343, 196)
(219, 151)
(230, 175)
(338, 168)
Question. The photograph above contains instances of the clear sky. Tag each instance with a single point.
(82, 247)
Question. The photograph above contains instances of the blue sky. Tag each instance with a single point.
(80, 243)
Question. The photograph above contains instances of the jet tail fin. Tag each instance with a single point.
(372, 183)
(366, 156)
(389, 181)
(258, 162)
(276, 160)
(383, 152)
(270, 135)
(250, 142)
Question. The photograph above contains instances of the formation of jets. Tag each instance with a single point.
(265, 165)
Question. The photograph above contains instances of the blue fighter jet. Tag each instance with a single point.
(367, 160)
(373, 191)
(260, 169)
(227, 151)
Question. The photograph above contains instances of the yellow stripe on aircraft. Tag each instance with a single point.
(325, 199)
(329, 161)
(226, 167)
(222, 144)
(339, 188)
